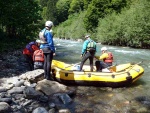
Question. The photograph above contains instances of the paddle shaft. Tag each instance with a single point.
(73, 64)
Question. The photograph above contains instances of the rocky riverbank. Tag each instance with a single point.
(24, 91)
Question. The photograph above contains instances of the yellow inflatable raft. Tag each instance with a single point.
(117, 76)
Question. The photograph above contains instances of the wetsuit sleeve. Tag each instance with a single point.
(84, 47)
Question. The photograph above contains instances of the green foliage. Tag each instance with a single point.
(76, 6)
(86, 3)
(99, 9)
(19, 17)
(112, 22)
(19, 22)
(62, 7)
(43, 3)
(10, 44)
(130, 28)
(72, 28)
(51, 13)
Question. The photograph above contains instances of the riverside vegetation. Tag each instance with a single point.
(111, 22)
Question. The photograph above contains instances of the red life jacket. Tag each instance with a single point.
(109, 59)
(38, 56)
(26, 51)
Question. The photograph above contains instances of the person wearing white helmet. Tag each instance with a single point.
(88, 52)
(48, 48)
(105, 60)
(104, 49)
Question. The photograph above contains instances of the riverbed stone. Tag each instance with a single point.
(5, 108)
(7, 100)
(52, 110)
(33, 76)
(40, 110)
(18, 90)
(2, 89)
(19, 83)
(50, 87)
(31, 93)
(65, 98)
(64, 111)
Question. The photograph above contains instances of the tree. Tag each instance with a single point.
(62, 7)
(76, 6)
(99, 9)
(51, 13)
(19, 17)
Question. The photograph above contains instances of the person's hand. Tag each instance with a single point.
(81, 55)
(95, 58)
(54, 54)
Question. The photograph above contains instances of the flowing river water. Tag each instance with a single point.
(132, 99)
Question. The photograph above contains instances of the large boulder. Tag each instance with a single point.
(51, 87)
(33, 76)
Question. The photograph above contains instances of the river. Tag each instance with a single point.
(133, 99)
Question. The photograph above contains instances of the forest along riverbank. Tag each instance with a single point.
(133, 99)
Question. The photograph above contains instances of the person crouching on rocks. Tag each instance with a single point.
(38, 58)
(28, 53)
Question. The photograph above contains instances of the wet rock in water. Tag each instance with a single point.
(40, 110)
(65, 98)
(5, 108)
(145, 100)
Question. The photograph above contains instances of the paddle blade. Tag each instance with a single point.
(112, 68)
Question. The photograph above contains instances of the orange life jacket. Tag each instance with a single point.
(109, 59)
(38, 56)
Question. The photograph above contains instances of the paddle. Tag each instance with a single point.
(112, 68)
(73, 64)
(136, 63)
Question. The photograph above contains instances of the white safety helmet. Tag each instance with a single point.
(104, 49)
(87, 36)
(48, 23)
